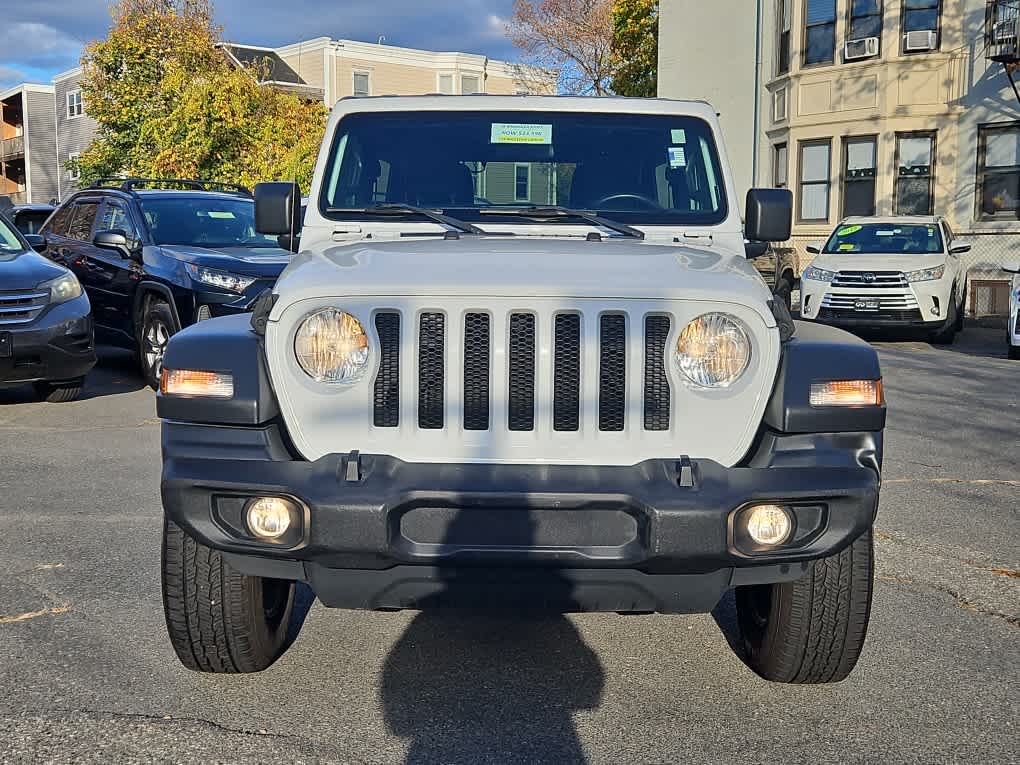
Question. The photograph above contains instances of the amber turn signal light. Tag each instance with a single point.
(847, 393)
(190, 382)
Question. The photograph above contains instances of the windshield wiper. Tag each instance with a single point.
(555, 211)
(399, 209)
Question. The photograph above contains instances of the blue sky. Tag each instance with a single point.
(39, 38)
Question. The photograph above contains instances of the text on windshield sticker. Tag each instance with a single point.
(677, 157)
(848, 230)
(504, 132)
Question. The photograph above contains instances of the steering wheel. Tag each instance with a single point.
(646, 202)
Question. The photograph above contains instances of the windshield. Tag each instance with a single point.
(885, 239)
(9, 242)
(627, 167)
(31, 221)
(204, 221)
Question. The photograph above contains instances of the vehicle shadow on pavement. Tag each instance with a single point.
(115, 373)
(725, 615)
(495, 684)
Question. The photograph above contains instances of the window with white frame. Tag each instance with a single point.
(362, 85)
(780, 166)
(785, 24)
(779, 105)
(914, 193)
(815, 160)
(74, 172)
(998, 178)
(470, 84)
(75, 106)
(819, 32)
(446, 84)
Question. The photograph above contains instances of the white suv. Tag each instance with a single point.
(1013, 327)
(521, 359)
(888, 272)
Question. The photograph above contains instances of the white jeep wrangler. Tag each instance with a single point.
(521, 360)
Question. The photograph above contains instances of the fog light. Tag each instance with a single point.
(768, 524)
(269, 517)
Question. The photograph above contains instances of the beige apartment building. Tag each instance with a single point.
(864, 107)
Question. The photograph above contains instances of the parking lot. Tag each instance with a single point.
(87, 674)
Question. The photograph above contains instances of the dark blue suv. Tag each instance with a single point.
(155, 256)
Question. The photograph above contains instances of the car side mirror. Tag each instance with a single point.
(117, 240)
(959, 249)
(1011, 266)
(277, 208)
(37, 242)
(768, 215)
(815, 248)
(754, 250)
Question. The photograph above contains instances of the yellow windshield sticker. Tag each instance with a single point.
(503, 132)
(847, 247)
(848, 230)
(221, 214)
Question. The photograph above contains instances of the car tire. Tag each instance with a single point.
(947, 335)
(811, 630)
(1014, 352)
(158, 326)
(60, 393)
(220, 620)
(784, 291)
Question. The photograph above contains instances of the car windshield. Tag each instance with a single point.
(204, 221)
(885, 239)
(9, 242)
(626, 167)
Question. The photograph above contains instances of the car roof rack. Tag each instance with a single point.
(188, 184)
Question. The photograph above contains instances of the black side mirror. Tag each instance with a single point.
(753, 250)
(768, 216)
(288, 242)
(117, 240)
(277, 208)
(37, 242)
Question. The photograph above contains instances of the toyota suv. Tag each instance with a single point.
(157, 255)
(521, 359)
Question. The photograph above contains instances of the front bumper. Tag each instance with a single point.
(56, 347)
(381, 533)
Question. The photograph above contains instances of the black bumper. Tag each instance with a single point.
(381, 533)
(891, 320)
(56, 347)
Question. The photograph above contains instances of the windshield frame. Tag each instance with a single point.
(265, 241)
(666, 217)
(832, 244)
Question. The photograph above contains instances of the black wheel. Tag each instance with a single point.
(784, 291)
(59, 393)
(811, 630)
(1014, 352)
(947, 334)
(218, 619)
(158, 327)
(960, 315)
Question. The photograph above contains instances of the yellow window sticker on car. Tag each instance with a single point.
(505, 132)
(847, 247)
(221, 214)
(848, 230)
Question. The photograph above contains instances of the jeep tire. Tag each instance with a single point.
(158, 326)
(810, 630)
(220, 620)
(59, 393)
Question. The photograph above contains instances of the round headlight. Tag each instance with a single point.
(332, 347)
(713, 350)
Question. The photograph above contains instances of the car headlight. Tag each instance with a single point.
(713, 351)
(222, 279)
(926, 274)
(818, 274)
(331, 346)
(63, 288)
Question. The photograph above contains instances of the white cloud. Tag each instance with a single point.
(35, 44)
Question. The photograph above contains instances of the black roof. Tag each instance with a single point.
(276, 69)
(148, 185)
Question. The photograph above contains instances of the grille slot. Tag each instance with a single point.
(612, 372)
(431, 370)
(871, 279)
(567, 373)
(22, 307)
(521, 358)
(386, 398)
(477, 351)
(657, 394)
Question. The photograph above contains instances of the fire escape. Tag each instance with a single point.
(1002, 37)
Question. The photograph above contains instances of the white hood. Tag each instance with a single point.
(907, 262)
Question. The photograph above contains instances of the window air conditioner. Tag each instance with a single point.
(922, 39)
(866, 47)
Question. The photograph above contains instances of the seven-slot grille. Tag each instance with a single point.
(23, 306)
(517, 333)
(858, 291)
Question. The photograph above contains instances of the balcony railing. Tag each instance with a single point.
(1002, 31)
(12, 147)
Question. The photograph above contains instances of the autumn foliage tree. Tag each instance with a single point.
(636, 47)
(168, 104)
(573, 37)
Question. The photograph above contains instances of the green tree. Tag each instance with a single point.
(169, 104)
(636, 47)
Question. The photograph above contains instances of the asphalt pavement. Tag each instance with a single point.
(87, 674)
